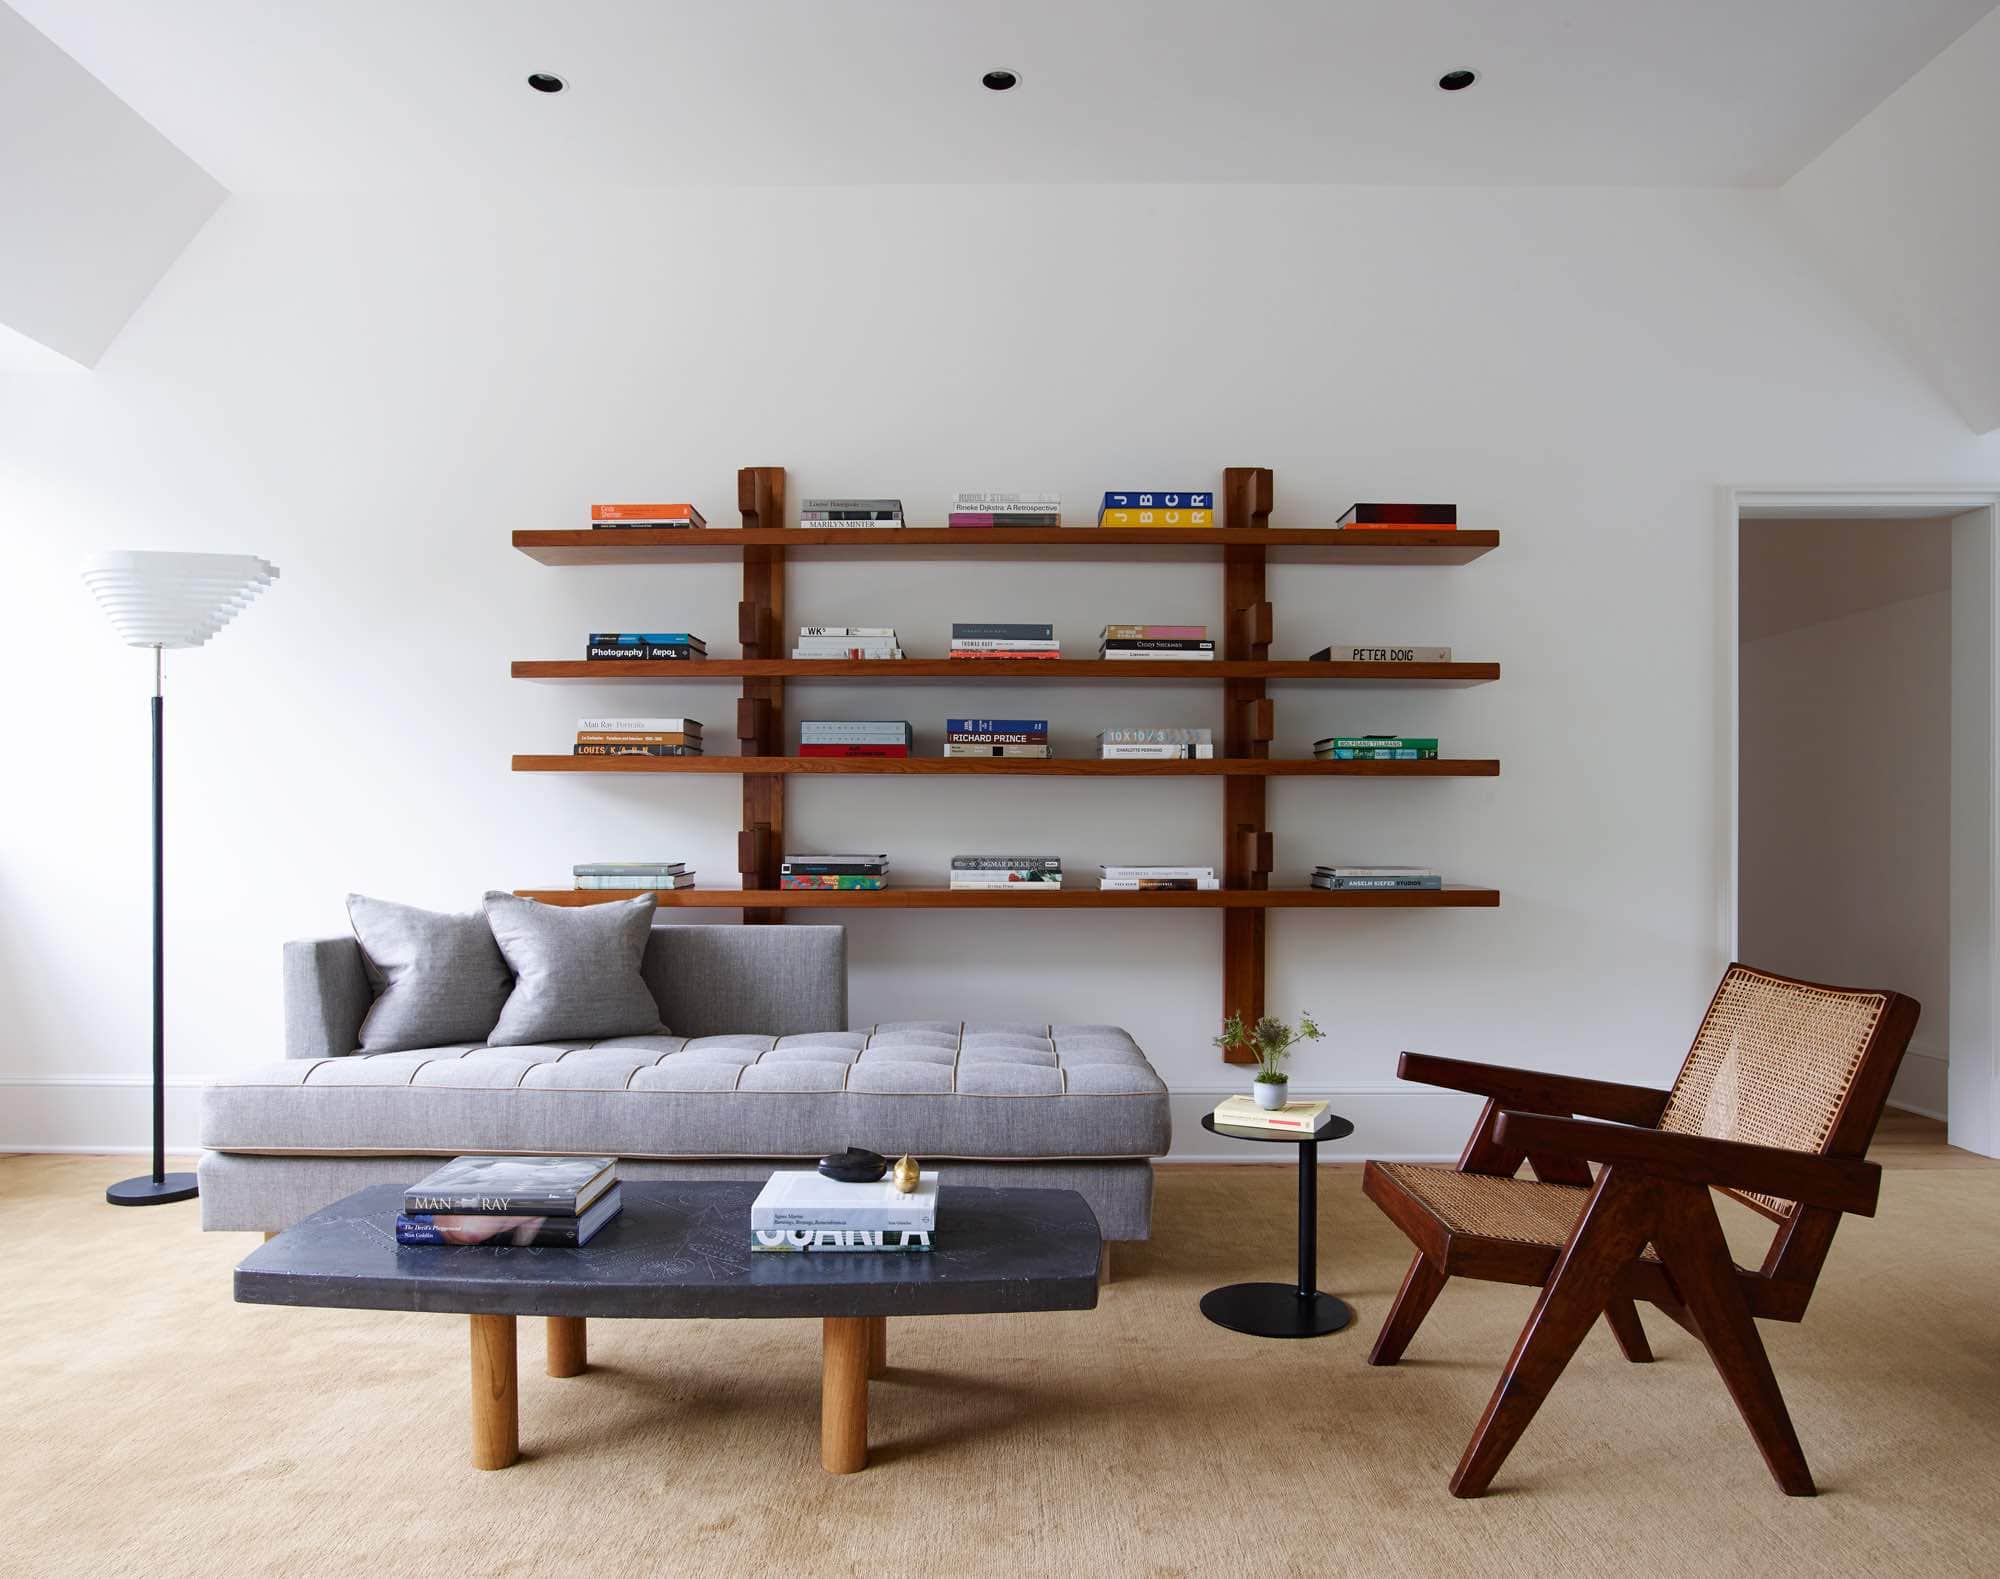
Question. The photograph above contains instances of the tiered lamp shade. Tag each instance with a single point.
(174, 600)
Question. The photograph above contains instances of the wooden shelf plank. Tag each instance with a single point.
(1020, 767)
(1313, 545)
(1452, 896)
(1013, 670)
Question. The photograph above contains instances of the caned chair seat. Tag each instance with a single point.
(1521, 1211)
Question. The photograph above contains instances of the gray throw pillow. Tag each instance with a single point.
(576, 971)
(438, 978)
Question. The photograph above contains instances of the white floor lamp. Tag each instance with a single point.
(159, 601)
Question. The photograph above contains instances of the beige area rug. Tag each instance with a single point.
(151, 1426)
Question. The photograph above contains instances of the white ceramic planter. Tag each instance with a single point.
(1271, 1093)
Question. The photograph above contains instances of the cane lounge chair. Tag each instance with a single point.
(1775, 1106)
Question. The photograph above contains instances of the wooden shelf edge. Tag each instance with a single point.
(1024, 672)
(1323, 545)
(1451, 897)
(1015, 767)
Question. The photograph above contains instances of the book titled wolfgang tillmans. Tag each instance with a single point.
(522, 1186)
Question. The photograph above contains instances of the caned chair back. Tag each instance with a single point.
(1787, 1063)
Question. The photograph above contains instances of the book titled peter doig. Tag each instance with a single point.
(522, 1186)
(1391, 654)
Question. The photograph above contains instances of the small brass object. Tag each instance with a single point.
(906, 1174)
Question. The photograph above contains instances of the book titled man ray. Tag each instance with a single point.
(519, 1186)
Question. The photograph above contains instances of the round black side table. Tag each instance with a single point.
(1278, 1310)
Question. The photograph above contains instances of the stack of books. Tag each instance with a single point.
(645, 517)
(1170, 744)
(1243, 1113)
(986, 639)
(1376, 748)
(834, 871)
(1404, 654)
(1355, 877)
(1157, 507)
(855, 737)
(511, 1201)
(851, 512)
(1040, 873)
(810, 1212)
(1126, 642)
(1156, 879)
(648, 646)
(996, 737)
(847, 641)
(1005, 509)
(656, 875)
(1399, 517)
(638, 737)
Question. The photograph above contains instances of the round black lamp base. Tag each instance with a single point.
(1275, 1310)
(147, 1192)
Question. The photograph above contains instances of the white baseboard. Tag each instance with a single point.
(1922, 1084)
(112, 1115)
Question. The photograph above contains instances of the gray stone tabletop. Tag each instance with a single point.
(683, 1250)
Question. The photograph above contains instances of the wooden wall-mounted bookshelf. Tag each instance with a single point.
(1244, 546)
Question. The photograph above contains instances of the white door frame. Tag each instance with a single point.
(1974, 1107)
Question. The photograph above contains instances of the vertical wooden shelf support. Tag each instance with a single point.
(760, 715)
(1248, 726)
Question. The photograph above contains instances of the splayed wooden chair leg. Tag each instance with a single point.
(1623, 1317)
(1421, 1286)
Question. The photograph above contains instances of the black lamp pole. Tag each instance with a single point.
(160, 1186)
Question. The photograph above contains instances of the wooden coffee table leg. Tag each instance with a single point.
(878, 1346)
(843, 1394)
(496, 1413)
(568, 1346)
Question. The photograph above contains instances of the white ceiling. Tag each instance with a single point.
(273, 95)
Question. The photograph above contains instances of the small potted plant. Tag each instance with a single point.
(1272, 1041)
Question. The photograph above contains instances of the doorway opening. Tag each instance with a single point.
(1859, 665)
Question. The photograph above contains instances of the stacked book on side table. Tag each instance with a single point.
(855, 737)
(659, 876)
(1156, 879)
(644, 647)
(1185, 643)
(975, 639)
(1157, 507)
(808, 1212)
(834, 871)
(1361, 877)
(1376, 748)
(996, 737)
(851, 512)
(847, 641)
(1032, 873)
(511, 1201)
(644, 517)
(1168, 744)
(1293, 1118)
(1005, 509)
(638, 737)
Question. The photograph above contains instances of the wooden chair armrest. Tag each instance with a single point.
(1846, 1184)
(1535, 1091)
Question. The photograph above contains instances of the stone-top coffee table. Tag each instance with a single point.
(678, 1251)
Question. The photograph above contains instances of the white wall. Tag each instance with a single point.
(1901, 209)
(97, 204)
(373, 393)
(1845, 695)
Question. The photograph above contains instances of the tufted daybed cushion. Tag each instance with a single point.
(935, 1088)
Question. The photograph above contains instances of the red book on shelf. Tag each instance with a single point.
(854, 750)
(1401, 517)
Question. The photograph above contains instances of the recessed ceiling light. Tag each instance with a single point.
(546, 82)
(1000, 81)
(1453, 81)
